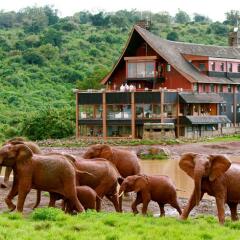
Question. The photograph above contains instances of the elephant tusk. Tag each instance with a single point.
(121, 194)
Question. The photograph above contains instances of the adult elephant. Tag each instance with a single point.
(47, 173)
(126, 162)
(99, 174)
(215, 175)
(34, 147)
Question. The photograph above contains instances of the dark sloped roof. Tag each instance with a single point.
(201, 98)
(173, 53)
(196, 120)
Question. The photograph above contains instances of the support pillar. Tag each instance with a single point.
(178, 113)
(133, 110)
(77, 116)
(234, 106)
(162, 105)
(104, 115)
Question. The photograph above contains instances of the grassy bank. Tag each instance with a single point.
(53, 224)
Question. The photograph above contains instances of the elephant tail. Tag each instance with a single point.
(38, 199)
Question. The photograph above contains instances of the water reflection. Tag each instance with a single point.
(172, 169)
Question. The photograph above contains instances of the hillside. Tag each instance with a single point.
(43, 57)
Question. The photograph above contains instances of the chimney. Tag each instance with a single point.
(234, 38)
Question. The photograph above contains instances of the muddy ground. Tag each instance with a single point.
(206, 207)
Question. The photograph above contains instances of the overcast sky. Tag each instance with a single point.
(214, 9)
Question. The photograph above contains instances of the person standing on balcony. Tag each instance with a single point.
(122, 88)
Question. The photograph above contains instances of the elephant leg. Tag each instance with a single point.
(53, 200)
(233, 209)
(114, 199)
(137, 201)
(23, 189)
(191, 204)
(13, 192)
(221, 211)
(38, 199)
(162, 211)
(98, 204)
(175, 205)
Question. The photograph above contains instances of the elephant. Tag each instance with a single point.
(158, 188)
(99, 174)
(216, 176)
(35, 149)
(126, 162)
(86, 195)
(48, 173)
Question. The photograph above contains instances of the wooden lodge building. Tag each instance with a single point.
(164, 88)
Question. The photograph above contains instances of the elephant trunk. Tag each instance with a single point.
(198, 174)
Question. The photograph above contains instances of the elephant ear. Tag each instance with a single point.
(140, 183)
(219, 165)
(106, 152)
(24, 153)
(187, 163)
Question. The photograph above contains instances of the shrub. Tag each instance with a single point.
(48, 214)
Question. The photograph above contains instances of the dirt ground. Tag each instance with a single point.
(206, 206)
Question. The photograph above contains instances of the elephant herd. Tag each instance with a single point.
(82, 181)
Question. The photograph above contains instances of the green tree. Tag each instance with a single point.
(182, 17)
(232, 17)
(33, 56)
(162, 17)
(100, 19)
(53, 37)
(173, 36)
(201, 18)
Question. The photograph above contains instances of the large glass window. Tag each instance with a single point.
(118, 111)
(90, 130)
(230, 67)
(139, 111)
(169, 110)
(213, 66)
(220, 88)
(141, 69)
(119, 131)
(222, 67)
(90, 111)
(229, 87)
(212, 86)
(148, 111)
(147, 108)
(156, 109)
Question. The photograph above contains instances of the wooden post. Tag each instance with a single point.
(77, 116)
(234, 106)
(104, 115)
(161, 105)
(133, 109)
(178, 112)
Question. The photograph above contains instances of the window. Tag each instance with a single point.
(222, 67)
(90, 112)
(212, 86)
(238, 68)
(202, 67)
(156, 111)
(229, 87)
(213, 66)
(204, 87)
(220, 88)
(238, 88)
(230, 67)
(195, 87)
(118, 131)
(140, 69)
(169, 110)
(148, 111)
(238, 108)
(223, 108)
(119, 112)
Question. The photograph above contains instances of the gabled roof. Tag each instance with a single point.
(173, 53)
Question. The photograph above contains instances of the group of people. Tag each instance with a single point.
(127, 88)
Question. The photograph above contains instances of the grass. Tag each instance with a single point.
(47, 223)
(159, 156)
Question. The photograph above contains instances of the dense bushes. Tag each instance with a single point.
(48, 123)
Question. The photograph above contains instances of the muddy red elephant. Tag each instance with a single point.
(216, 176)
(47, 173)
(125, 161)
(35, 149)
(99, 174)
(160, 189)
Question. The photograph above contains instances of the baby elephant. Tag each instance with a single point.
(160, 189)
(86, 195)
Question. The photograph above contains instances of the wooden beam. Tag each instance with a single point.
(178, 113)
(140, 58)
(104, 115)
(234, 106)
(133, 110)
(77, 117)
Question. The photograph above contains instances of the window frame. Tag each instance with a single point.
(136, 74)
